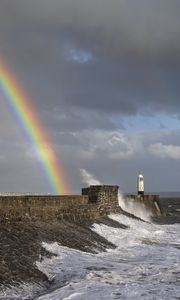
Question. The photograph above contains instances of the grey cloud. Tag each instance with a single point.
(119, 162)
(73, 120)
(19, 172)
(165, 151)
(165, 136)
(134, 44)
(139, 27)
(125, 89)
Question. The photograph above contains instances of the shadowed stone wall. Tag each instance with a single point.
(44, 208)
(104, 196)
(97, 202)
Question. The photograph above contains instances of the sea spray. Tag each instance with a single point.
(130, 205)
(88, 178)
(137, 209)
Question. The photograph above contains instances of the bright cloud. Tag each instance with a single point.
(165, 151)
(104, 144)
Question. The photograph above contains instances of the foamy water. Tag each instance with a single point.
(145, 265)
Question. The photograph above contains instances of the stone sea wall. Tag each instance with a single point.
(95, 201)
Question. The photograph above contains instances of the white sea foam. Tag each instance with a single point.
(145, 265)
(138, 233)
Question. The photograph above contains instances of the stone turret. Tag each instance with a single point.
(105, 196)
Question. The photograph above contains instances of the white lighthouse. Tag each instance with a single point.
(140, 185)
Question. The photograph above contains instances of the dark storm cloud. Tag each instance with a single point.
(78, 119)
(133, 49)
(149, 26)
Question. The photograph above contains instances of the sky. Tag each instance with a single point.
(104, 78)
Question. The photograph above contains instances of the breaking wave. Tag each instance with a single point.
(145, 265)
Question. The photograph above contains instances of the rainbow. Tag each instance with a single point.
(30, 125)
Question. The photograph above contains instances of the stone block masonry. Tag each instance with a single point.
(39, 207)
(95, 201)
(105, 197)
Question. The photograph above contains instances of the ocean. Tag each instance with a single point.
(144, 265)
